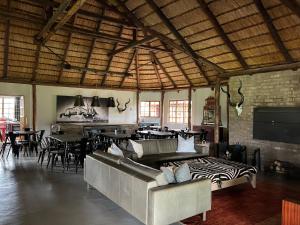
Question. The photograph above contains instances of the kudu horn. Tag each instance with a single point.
(122, 109)
(238, 106)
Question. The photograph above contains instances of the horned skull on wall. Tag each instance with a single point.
(238, 106)
(125, 106)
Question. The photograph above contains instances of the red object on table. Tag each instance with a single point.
(2, 128)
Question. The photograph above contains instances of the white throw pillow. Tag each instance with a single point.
(183, 173)
(137, 148)
(169, 174)
(115, 150)
(185, 145)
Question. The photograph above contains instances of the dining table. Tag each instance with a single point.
(156, 134)
(67, 140)
(187, 133)
(22, 134)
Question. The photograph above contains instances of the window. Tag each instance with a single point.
(12, 107)
(149, 109)
(178, 111)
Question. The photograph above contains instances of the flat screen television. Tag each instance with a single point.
(279, 124)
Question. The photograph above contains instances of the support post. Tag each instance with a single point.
(190, 109)
(137, 107)
(33, 106)
(162, 99)
(217, 112)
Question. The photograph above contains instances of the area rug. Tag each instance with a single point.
(243, 205)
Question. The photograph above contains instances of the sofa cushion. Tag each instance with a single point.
(169, 174)
(145, 170)
(115, 150)
(108, 156)
(137, 148)
(185, 145)
(149, 146)
(167, 145)
(183, 173)
(169, 157)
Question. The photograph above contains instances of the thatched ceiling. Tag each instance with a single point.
(145, 44)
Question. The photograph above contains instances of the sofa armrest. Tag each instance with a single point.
(166, 202)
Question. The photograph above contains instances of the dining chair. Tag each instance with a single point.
(55, 150)
(15, 145)
(37, 140)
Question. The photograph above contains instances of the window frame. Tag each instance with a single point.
(185, 111)
(149, 111)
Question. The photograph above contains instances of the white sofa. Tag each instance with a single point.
(141, 196)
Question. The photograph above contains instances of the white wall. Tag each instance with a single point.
(11, 89)
(150, 96)
(46, 104)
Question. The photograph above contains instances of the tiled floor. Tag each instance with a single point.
(31, 195)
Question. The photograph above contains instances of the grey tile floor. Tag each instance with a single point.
(31, 195)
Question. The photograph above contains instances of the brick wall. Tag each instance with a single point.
(271, 89)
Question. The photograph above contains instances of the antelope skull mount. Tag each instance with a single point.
(238, 106)
(125, 106)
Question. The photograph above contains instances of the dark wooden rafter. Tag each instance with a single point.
(174, 31)
(137, 69)
(6, 43)
(52, 26)
(69, 41)
(62, 7)
(88, 59)
(165, 71)
(132, 44)
(36, 61)
(268, 21)
(85, 13)
(156, 70)
(111, 57)
(287, 66)
(186, 48)
(179, 66)
(128, 66)
(293, 5)
(211, 17)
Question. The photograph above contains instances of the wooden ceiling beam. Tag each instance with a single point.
(60, 10)
(127, 69)
(156, 70)
(65, 18)
(281, 67)
(97, 71)
(66, 52)
(6, 43)
(94, 41)
(137, 69)
(186, 48)
(111, 57)
(131, 44)
(293, 5)
(277, 39)
(82, 12)
(36, 62)
(165, 71)
(179, 37)
(179, 66)
(211, 17)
